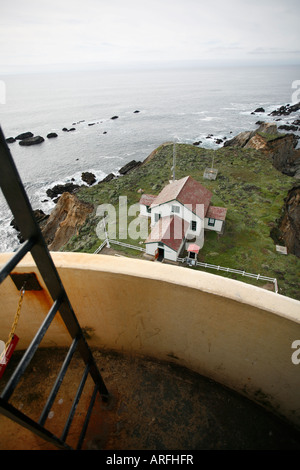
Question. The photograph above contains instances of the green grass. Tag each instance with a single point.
(247, 184)
(269, 137)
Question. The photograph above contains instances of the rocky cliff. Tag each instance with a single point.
(280, 147)
(68, 215)
(285, 158)
(288, 230)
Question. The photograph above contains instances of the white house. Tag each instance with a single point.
(181, 212)
(145, 203)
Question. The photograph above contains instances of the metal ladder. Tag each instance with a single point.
(19, 204)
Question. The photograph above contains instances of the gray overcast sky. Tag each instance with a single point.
(58, 33)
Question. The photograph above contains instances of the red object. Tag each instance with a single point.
(8, 354)
(194, 248)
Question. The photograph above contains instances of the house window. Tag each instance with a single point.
(148, 209)
(193, 225)
(160, 245)
(157, 217)
(211, 222)
(175, 209)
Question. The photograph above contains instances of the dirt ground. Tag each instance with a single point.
(153, 406)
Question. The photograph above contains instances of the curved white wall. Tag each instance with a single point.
(234, 333)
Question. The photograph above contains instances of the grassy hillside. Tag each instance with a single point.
(247, 184)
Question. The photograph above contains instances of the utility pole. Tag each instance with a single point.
(174, 161)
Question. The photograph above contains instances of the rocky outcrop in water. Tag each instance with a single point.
(59, 189)
(24, 135)
(88, 178)
(286, 110)
(40, 217)
(68, 215)
(31, 141)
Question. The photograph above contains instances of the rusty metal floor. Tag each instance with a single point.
(154, 406)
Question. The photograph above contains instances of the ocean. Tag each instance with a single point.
(176, 104)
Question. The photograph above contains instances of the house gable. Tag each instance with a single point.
(169, 231)
(188, 192)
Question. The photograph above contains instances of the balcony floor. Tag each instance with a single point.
(154, 406)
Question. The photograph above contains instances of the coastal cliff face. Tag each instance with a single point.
(68, 215)
(286, 159)
(289, 225)
(280, 147)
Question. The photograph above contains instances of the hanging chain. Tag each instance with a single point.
(15, 323)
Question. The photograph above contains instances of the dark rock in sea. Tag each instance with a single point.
(91, 124)
(259, 123)
(107, 178)
(32, 141)
(198, 142)
(25, 135)
(10, 140)
(136, 111)
(65, 129)
(285, 110)
(259, 110)
(288, 128)
(59, 189)
(114, 117)
(296, 122)
(129, 167)
(219, 141)
(104, 132)
(72, 129)
(40, 217)
(51, 135)
(88, 178)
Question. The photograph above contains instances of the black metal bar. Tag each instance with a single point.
(75, 403)
(30, 351)
(57, 383)
(18, 417)
(87, 419)
(16, 258)
(18, 201)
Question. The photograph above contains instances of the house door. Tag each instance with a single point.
(161, 254)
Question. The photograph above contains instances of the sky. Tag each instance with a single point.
(66, 34)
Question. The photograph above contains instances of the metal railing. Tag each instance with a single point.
(234, 271)
(198, 263)
(16, 197)
(117, 242)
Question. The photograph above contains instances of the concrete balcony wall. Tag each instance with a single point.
(239, 335)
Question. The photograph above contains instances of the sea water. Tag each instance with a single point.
(176, 104)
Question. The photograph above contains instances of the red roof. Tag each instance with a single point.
(218, 213)
(188, 192)
(147, 199)
(194, 248)
(170, 231)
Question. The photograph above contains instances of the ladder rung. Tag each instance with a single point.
(75, 403)
(58, 382)
(28, 355)
(18, 417)
(87, 418)
(16, 258)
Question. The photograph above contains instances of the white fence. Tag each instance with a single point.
(100, 247)
(116, 242)
(197, 263)
(235, 271)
